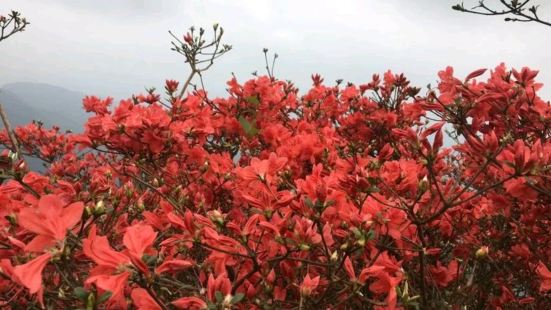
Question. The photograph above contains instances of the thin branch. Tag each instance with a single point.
(11, 135)
(513, 8)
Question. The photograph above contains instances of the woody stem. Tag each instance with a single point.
(12, 137)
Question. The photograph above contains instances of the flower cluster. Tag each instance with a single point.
(344, 197)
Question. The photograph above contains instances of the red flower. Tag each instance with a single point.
(137, 239)
(171, 86)
(349, 269)
(347, 181)
(174, 265)
(142, 300)
(518, 189)
(30, 274)
(114, 284)
(309, 285)
(261, 170)
(188, 38)
(96, 105)
(190, 303)
(98, 249)
(50, 220)
(219, 284)
(388, 276)
(545, 275)
(443, 275)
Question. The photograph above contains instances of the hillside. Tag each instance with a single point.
(53, 105)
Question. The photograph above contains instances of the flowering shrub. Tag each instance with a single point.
(343, 197)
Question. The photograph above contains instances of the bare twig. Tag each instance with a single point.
(199, 54)
(12, 24)
(520, 10)
(11, 135)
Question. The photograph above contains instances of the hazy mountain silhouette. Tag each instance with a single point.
(53, 105)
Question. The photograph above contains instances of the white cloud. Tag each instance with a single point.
(119, 47)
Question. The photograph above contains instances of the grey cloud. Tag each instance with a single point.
(119, 47)
(119, 8)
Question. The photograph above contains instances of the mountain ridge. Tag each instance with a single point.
(50, 104)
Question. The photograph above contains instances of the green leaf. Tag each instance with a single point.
(370, 234)
(357, 233)
(219, 297)
(253, 100)
(249, 128)
(149, 259)
(211, 306)
(80, 293)
(309, 202)
(104, 297)
(237, 298)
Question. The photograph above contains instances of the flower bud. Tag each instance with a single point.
(140, 205)
(129, 192)
(227, 176)
(88, 211)
(304, 247)
(99, 208)
(482, 252)
(91, 301)
(171, 86)
(423, 185)
(227, 301)
(271, 276)
(22, 165)
(12, 155)
(188, 38)
(217, 217)
(12, 219)
(204, 167)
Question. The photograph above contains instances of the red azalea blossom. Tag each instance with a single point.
(344, 196)
(143, 301)
(190, 303)
(30, 274)
(545, 275)
(309, 285)
(50, 220)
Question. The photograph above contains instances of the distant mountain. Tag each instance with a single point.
(53, 105)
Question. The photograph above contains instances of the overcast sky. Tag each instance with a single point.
(117, 48)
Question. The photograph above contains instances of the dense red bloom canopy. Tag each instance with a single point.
(345, 197)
